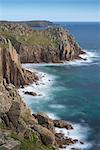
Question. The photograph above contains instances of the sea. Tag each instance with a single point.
(71, 91)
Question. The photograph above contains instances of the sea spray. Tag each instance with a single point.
(79, 132)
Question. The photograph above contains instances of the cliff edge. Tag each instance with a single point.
(54, 44)
(19, 129)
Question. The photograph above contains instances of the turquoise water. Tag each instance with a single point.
(73, 93)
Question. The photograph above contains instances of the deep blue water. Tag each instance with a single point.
(75, 92)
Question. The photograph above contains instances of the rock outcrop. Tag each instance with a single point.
(8, 143)
(47, 137)
(17, 119)
(10, 65)
(31, 93)
(46, 127)
(19, 129)
(51, 45)
(62, 124)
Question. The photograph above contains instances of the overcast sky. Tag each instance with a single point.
(53, 10)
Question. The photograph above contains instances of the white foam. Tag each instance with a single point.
(57, 106)
(89, 54)
(42, 87)
(88, 58)
(52, 115)
(79, 133)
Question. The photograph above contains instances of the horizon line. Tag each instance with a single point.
(46, 20)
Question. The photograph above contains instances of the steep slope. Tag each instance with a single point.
(15, 118)
(10, 66)
(51, 45)
(19, 129)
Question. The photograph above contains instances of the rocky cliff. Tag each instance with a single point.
(15, 118)
(51, 45)
(10, 66)
(19, 129)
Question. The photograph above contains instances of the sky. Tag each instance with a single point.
(52, 10)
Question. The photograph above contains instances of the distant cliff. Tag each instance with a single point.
(37, 23)
(51, 45)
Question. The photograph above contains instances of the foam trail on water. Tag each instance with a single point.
(88, 59)
(79, 133)
(42, 87)
(52, 115)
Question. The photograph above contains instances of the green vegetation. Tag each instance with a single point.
(2, 126)
(31, 144)
(41, 38)
(35, 38)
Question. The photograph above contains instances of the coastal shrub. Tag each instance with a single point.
(31, 144)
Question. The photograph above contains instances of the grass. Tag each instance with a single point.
(40, 38)
(37, 38)
(2, 126)
(31, 144)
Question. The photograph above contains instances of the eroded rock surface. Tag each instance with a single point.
(7, 143)
(10, 65)
(51, 45)
(19, 41)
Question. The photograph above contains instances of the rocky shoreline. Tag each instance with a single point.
(57, 126)
(19, 129)
(40, 124)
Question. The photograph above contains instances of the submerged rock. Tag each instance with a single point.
(31, 93)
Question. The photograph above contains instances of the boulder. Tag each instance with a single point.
(31, 93)
(47, 137)
(42, 118)
(45, 121)
(62, 141)
(62, 124)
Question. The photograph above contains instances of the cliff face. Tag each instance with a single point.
(51, 45)
(66, 45)
(10, 67)
(15, 118)
(16, 121)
